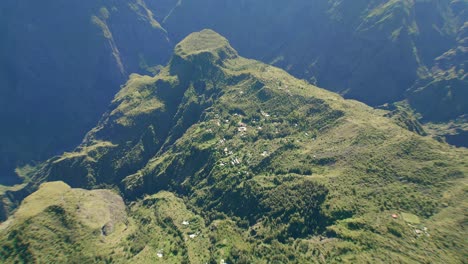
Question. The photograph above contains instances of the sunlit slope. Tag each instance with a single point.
(296, 173)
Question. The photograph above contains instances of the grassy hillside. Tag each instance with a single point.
(264, 167)
(75, 56)
(374, 51)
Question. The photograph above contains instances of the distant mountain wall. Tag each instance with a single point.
(60, 64)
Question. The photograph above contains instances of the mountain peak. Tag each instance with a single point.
(217, 147)
(205, 41)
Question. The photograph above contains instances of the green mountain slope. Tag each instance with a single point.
(69, 221)
(75, 56)
(265, 168)
(377, 52)
(369, 50)
(60, 65)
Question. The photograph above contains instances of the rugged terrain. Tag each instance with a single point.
(75, 56)
(60, 65)
(377, 52)
(219, 157)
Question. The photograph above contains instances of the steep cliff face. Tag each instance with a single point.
(75, 56)
(276, 163)
(444, 86)
(368, 50)
(439, 94)
(374, 51)
(60, 64)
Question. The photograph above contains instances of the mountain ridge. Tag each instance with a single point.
(290, 171)
(76, 56)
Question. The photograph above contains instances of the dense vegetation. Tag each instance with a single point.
(75, 56)
(224, 158)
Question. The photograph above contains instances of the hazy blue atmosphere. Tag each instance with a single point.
(222, 131)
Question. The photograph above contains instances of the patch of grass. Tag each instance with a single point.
(410, 218)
